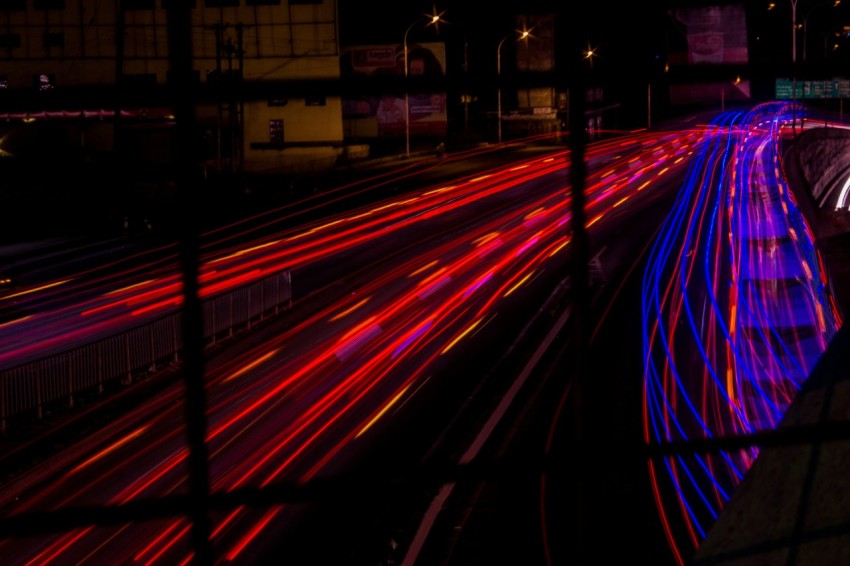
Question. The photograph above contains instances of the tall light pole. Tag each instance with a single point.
(794, 67)
(522, 35)
(435, 18)
(835, 4)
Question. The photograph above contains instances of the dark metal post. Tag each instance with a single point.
(574, 42)
(183, 91)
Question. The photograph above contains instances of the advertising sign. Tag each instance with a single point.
(713, 34)
(383, 116)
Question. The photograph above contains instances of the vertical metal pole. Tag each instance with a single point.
(175, 345)
(38, 390)
(249, 309)
(152, 341)
(499, 91)
(585, 492)
(183, 94)
(129, 378)
(117, 125)
(406, 100)
(219, 102)
(466, 95)
(3, 403)
(70, 370)
(794, 66)
(100, 368)
(240, 102)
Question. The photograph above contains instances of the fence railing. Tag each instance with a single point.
(134, 353)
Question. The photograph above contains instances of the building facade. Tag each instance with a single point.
(91, 73)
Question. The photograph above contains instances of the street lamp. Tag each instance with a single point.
(434, 19)
(522, 35)
(834, 3)
(794, 67)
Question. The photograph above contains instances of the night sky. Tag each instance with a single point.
(623, 33)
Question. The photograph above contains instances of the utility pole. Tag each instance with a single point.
(466, 85)
(228, 95)
(240, 103)
(117, 138)
(218, 138)
(794, 66)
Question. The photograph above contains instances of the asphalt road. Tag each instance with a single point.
(500, 509)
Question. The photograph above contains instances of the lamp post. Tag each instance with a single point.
(794, 67)
(835, 4)
(435, 18)
(523, 35)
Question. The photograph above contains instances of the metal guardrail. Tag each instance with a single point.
(134, 353)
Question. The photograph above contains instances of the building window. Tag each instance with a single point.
(276, 132)
(54, 39)
(192, 3)
(13, 5)
(4, 82)
(10, 40)
(305, 1)
(262, 2)
(44, 81)
(140, 80)
(139, 4)
(278, 101)
(220, 3)
(315, 101)
(49, 4)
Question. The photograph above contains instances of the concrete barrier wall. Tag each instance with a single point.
(823, 155)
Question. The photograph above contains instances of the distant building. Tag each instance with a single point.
(71, 67)
(370, 116)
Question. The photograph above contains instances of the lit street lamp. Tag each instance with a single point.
(523, 35)
(834, 4)
(435, 18)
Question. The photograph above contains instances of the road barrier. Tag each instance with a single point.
(133, 354)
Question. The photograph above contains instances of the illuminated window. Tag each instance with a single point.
(315, 101)
(4, 82)
(276, 132)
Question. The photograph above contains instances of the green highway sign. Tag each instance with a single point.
(831, 88)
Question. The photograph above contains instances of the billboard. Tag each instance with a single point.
(383, 115)
(713, 35)
(709, 36)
